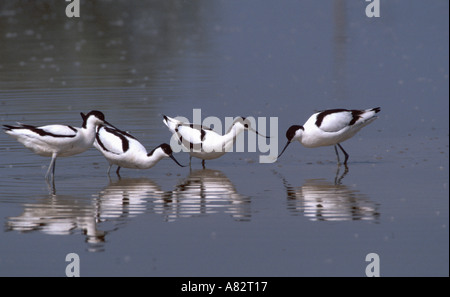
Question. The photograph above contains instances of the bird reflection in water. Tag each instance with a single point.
(60, 215)
(95, 217)
(320, 200)
(127, 197)
(204, 192)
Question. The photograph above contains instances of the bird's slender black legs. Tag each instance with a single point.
(337, 155)
(338, 179)
(190, 163)
(117, 171)
(345, 154)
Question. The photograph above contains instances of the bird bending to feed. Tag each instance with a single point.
(124, 150)
(58, 140)
(331, 127)
(204, 143)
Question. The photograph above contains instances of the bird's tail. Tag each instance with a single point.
(170, 123)
(376, 109)
(369, 115)
(9, 128)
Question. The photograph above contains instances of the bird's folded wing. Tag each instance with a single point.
(335, 122)
(190, 134)
(55, 131)
(111, 140)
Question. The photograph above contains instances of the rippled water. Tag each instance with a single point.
(300, 216)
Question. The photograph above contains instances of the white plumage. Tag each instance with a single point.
(330, 127)
(124, 150)
(58, 140)
(204, 143)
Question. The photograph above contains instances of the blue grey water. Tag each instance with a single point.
(299, 216)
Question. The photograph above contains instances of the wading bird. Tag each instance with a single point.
(204, 143)
(124, 150)
(58, 140)
(331, 127)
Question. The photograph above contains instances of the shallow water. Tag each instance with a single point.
(300, 216)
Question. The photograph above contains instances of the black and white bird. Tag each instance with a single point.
(58, 140)
(331, 127)
(203, 142)
(124, 150)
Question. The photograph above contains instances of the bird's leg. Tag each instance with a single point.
(109, 169)
(337, 155)
(203, 164)
(117, 171)
(345, 153)
(51, 167)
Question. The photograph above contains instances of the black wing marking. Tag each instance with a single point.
(356, 115)
(42, 132)
(122, 135)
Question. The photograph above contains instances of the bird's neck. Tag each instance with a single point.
(149, 160)
(88, 133)
(233, 132)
